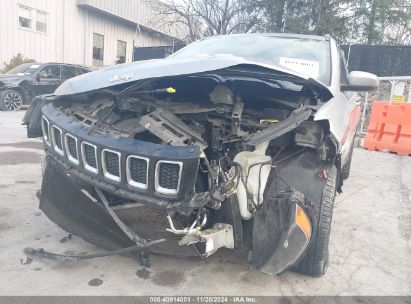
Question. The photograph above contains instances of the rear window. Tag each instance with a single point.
(24, 69)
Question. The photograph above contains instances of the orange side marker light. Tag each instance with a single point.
(303, 221)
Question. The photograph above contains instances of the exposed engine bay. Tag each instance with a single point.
(240, 135)
(222, 161)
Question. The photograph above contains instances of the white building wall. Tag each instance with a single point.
(73, 33)
(112, 30)
(69, 37)
(141, 10)
(39, 46)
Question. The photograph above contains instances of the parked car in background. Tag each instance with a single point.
(20, 85)
(236, 141)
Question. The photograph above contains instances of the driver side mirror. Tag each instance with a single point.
(361, 82)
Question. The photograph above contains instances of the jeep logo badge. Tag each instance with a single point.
(122, 77)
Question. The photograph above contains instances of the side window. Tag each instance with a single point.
(68, 72)
(51, 72)
(82, 71)
(343, 69)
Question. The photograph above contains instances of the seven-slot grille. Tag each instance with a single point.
(137, 171)
(167, 173)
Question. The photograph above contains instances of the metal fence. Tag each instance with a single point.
(381, 60)
(393, 66)
(145, 53)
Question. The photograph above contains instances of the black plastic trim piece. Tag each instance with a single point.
(281, 128)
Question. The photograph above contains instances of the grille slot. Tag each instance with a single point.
(89, 157)
(45, 128)
(168, 175)
(137, 171)
(111, 164)
(71, 148)
(57, 138)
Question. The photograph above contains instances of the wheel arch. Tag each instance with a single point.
(334, 150)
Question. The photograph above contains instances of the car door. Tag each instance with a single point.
(47, 79)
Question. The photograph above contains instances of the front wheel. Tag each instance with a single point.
(10, 100)
(315, 260)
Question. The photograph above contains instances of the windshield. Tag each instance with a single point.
(25, 69)
(306, 56)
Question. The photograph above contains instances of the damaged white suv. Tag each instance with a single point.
(236, 141)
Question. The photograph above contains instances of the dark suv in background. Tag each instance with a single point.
(20, 85)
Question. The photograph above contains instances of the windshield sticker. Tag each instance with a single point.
(34, 66)
(305, 67)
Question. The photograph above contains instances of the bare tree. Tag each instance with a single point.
(203, 18)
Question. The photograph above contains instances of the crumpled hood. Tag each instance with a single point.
(131, 72)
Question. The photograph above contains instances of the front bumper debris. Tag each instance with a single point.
(279, 241)
(291, 245)
(122, 229)
(63, 202)
(143, 254)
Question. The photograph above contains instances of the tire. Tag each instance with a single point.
(32, 118)
(345, 171)
(11, 100)
(315, 260)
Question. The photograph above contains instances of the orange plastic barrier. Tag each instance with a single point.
(389, 128)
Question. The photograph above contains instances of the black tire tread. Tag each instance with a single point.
(2, 94)
(315, 260)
